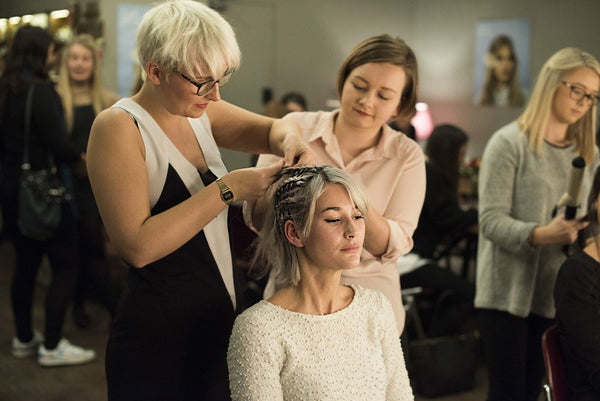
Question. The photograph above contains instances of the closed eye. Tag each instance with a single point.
(360, 88)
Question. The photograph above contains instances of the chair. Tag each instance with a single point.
(241, 240)
(556, 371)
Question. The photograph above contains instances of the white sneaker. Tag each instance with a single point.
(23, 350)
(65, 353)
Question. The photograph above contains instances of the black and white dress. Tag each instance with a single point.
(171, 330)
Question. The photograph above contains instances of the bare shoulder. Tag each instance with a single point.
(114, 128)
(112, 119)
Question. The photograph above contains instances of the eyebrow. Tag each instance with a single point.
(585, 89)
(335, 209)
(383, 87)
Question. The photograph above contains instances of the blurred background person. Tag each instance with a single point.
(83, 97)
(402, 123)
(501, 86)
(27, 67)
(294, 101)
(577, 299)
(442, 221)
(524, 172)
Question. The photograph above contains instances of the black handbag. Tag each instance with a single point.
(41, 193)
(443, 365)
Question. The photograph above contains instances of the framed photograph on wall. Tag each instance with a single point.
(502, 62)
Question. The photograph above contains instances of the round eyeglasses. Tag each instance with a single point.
(204, 87)
(578, 93)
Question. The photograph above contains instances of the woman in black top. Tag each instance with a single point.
(26, 67)
(442, 219)
(577, 300)
(83, 97)
(163, 192)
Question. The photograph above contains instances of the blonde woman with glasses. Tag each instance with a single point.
(163, 193)
(524, 172)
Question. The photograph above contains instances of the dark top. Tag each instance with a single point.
(577, 299)
(441, 216)
(47, 132)
(170, 334)
(83, 118)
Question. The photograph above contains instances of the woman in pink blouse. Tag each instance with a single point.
(377, 82)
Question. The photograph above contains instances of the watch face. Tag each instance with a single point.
(227, 196)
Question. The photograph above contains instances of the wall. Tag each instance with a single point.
(289, 45)
(11, 8)
(299, 45)
(446, 52)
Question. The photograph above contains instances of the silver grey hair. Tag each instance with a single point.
(187, 37)
(294, 197)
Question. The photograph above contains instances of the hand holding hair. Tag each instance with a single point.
(251, 183)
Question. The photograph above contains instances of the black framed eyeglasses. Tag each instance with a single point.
(578, 93)
(204, 87)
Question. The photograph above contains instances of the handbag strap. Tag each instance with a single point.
(25, 165)
(28, 105)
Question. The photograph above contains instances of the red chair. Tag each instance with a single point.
(556, 371)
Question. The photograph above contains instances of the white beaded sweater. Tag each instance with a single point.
(352, 354)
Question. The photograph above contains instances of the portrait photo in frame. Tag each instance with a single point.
(502, 62)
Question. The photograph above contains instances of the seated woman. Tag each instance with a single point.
(442, 219)
(577, 300)
(315, 338)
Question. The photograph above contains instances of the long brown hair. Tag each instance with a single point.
(26, 62)
(515, 94)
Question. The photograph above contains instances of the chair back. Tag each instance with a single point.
(241, 239)
(555, 365)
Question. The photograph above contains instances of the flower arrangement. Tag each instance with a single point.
(470, 171)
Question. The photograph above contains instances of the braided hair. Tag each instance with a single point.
(293, 197)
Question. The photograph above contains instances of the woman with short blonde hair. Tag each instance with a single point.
(316, 339)
(163, 192)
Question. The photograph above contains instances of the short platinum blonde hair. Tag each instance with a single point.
(187, 37)
(534, 119)
(293, 197)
